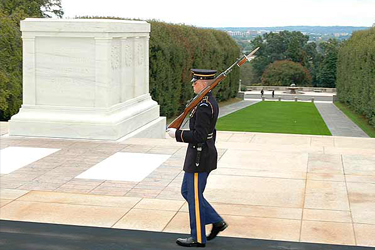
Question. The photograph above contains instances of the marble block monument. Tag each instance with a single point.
(86, 78)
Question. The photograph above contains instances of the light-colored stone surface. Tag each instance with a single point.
(282, 139)
(326, 195)
(259, 161)
(158, 204)
(97, 86)
(4, 127)
(322, 141)
(296, 188)
(350, 151)
(241, 137)
(179, 224)
(80, 199)
(326, 177)
(362, 202)
(254, 211)
(255, 191)
(328, 232)
(3, 202)
(262, 228)
(325, 163)
(327, 215)
(359, 165)
(12, 194)
(360, 179)
(62, 213)
(365, 234)
(352, 142)
(145, 219)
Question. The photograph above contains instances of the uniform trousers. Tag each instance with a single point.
(201, 213)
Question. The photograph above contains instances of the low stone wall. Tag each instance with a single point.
(304, 97)
(284, 88)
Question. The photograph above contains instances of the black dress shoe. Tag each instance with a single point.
(189, 242)
(216, 229)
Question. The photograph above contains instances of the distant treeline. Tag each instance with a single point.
(356, 73)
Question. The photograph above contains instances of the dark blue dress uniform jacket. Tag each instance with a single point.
(202, 126)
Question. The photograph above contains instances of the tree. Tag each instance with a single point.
(285, 73)
(326, 75)
(247, 74)
(11, 13)
(10, 65)
(32, 8)
(285, 45)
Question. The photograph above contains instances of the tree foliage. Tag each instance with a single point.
(32, 8)
(174, 50)
(356, 73)
(327, 61)
(10, 64)
(294, 46)
(280, 46)
(285, 73)
(11, 13)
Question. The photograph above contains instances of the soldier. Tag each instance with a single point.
(200, 160)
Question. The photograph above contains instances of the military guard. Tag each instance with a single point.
(200, 160)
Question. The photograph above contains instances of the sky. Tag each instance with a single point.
(237, 13)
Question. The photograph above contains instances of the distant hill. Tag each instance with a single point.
(316, 33)
(303, 29)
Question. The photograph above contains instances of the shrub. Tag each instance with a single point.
(285, 73)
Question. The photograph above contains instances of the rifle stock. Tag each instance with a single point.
(176, 123)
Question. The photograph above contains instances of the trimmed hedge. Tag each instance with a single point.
(356, 73)
(174, 50)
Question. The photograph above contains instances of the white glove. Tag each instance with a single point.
(172, 132)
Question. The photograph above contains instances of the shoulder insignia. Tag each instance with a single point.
(206, 102)
(203, 104)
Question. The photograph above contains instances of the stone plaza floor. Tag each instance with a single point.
(298, 188)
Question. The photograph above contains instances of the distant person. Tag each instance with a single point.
(273, 93)
(262, 93)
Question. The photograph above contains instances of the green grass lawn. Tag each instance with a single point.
(360, 120)
(276, 117)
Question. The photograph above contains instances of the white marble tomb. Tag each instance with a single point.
(86, 78)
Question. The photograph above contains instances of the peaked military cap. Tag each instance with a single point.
(203, 74)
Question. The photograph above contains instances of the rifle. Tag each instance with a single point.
(176, 123)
